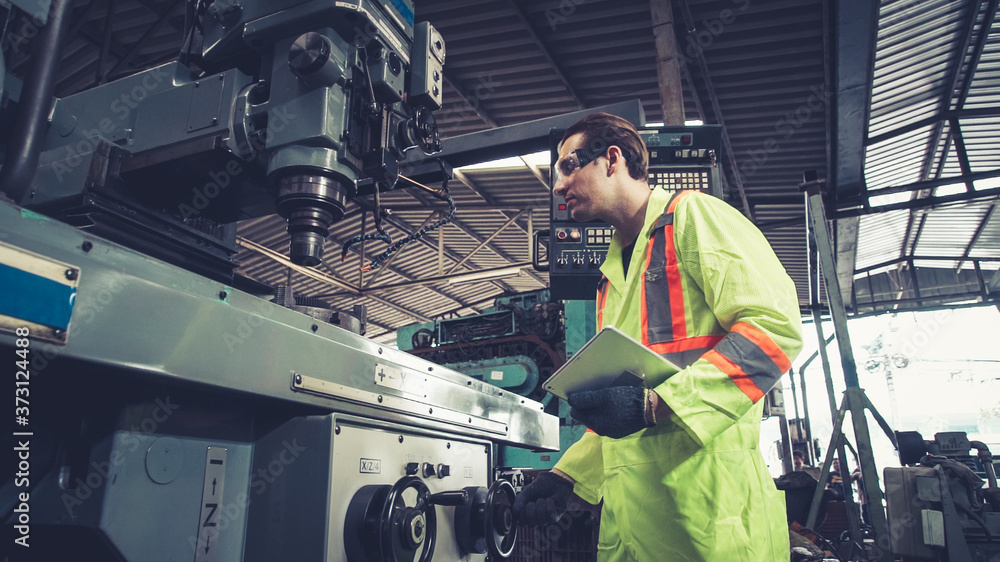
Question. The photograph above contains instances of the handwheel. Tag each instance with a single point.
(404, 528)
(501, 533)
(380, 527)
(485, 525)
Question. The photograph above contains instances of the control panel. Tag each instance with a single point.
(679, 158)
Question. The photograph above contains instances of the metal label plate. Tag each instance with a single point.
(389, 376)
(211, 501)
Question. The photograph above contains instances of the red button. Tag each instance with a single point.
(562, 206)
(686, 139)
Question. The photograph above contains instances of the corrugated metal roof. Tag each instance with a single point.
(935, 60)
(760, 67)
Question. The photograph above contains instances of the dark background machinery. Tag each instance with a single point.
(170, 409)
(943, 503)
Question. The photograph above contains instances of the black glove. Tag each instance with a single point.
(544, 500)
(615, 411)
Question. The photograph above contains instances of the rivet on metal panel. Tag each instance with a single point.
(400, 438)
(430, 410)
(429, 369)
(298, 379)
(315, 327)
(223, 295)
(87, 246)
(336, 430)
(448, 445)
(379, 398)
(380, 351)
(71, 274)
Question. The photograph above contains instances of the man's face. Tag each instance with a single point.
(584, 187)
(798, 462)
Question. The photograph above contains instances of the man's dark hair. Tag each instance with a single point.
(602, 130)
(799, 454)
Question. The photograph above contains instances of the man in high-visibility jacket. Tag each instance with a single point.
(677, 464)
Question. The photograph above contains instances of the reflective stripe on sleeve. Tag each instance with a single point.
(765, 344)
(735, 374)
(751, 359)
(684, 352)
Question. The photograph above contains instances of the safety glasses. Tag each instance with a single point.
(574, 161)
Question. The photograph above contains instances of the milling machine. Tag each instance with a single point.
(166, 408)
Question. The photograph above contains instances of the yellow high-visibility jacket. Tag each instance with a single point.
(705, 290)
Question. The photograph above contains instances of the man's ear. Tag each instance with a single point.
(615, 158)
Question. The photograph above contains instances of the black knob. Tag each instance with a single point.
(412, 468)
(428, 470)
(309, 53)
(443, 470)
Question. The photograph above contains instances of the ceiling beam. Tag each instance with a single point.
(492, 201)
(519, 13)
(405, 229)
(473, 102)
(714, 100)
(109, 20)
(668, 72)
(854, 26)
(485, 243)
(975, 236)
(935, 139)
(152, 30)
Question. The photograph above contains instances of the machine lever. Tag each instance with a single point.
(454, 497)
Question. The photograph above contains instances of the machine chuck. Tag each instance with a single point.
(310, 203)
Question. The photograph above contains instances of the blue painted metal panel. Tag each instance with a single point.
(34, 298)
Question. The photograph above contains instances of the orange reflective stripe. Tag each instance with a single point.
(602, 299)
(736, 374)
(676, 198)
(685, 344)
(766, 344)
(678, 319)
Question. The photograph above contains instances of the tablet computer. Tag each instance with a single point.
(611, 358)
